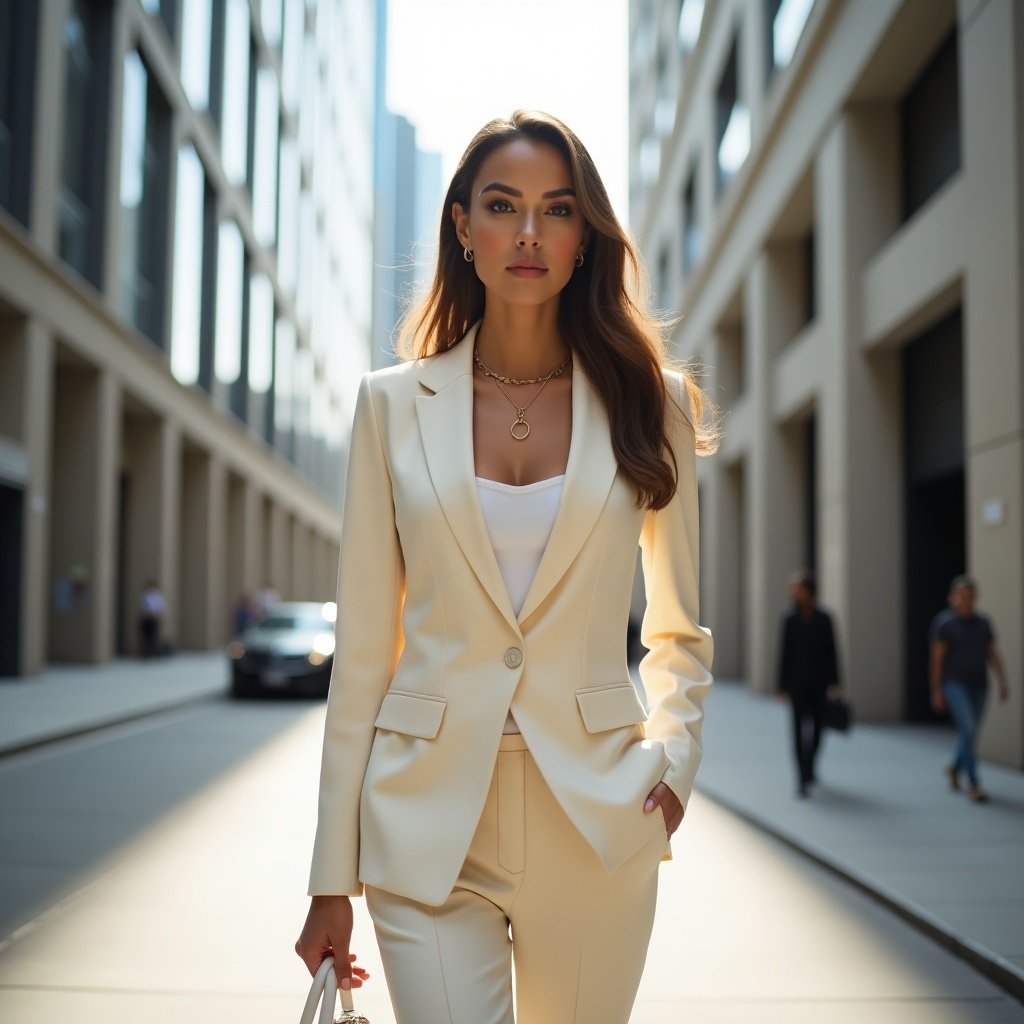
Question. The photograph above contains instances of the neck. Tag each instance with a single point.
(521, 341)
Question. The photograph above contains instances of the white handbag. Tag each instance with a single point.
(324, 991)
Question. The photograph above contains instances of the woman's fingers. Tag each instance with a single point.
(672, 810)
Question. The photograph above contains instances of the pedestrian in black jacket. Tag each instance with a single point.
(808, 672)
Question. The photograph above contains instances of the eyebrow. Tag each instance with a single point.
(497, 186)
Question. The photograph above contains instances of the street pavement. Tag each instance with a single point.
(748, 929)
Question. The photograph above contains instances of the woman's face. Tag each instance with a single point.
(523, 223)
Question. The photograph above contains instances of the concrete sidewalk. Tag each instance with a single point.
(882, 816)
(69, 700)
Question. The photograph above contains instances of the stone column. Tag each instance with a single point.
(203, 608)
(86, 453)
(153, 458)
(992, 126)
(860, 448)
(775, 486)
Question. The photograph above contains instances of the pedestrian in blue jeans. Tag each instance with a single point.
(963, 646)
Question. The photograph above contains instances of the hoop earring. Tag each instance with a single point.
(579, 260)
(467, 254)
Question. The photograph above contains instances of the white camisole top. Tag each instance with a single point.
(519, 522)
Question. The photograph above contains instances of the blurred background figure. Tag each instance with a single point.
(963, 645)
(241, 614)
(152, 608)
(265, 596)
(808, 672)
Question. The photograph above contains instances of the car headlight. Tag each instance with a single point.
(323, 644)
(236, 650)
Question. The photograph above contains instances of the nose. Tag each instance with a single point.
(529, 235)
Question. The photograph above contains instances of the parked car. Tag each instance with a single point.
(289, 650)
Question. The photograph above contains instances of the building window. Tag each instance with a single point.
(270, 22)
(230, 270)
(291, 58)
(195, 52)
(234, 109)
(264, 187)
(810, 277)
(930, 128)
(145, 145)
(86, 38)
(732, 122)
(785, 20)
(691, 14)
(289, 188)
(691, 223)
(284, 391)
(186, 309)
(261, 354)
(18, 24)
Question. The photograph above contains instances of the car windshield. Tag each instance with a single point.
(294, 622)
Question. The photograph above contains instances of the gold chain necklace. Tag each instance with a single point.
(520, 420)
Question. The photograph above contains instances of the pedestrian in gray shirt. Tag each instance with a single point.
(963, 646)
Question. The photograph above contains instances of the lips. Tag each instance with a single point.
(527, 268)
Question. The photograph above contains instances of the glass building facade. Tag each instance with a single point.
(186, 223)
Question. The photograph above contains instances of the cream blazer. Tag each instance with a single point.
(430, 655)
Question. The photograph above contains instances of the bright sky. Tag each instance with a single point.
(455, 64)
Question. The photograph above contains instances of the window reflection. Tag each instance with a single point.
(261, 333)
(145, 139)
(86, 39)
(270, 21)
(291, 64)
(195, 52)
(264, 189)
(186, 323)
(227, 358)
(234, 120)
(284, 368)
(288, 218)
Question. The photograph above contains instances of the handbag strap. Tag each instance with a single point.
(324, 990)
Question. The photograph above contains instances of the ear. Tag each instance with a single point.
(461, 219)
(587, 235)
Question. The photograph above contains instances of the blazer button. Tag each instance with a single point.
(513, 657)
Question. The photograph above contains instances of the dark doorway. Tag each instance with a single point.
(12, 518)
(122, 596)
(935, 516)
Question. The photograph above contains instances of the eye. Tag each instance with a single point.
(561, 210)
(499, 206)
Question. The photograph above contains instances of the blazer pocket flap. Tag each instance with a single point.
(610, 707)
(414, 714)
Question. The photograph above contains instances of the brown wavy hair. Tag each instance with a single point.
(602, 312)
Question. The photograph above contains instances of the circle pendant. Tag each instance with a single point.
(520, 424)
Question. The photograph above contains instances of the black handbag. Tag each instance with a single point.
(838, 714)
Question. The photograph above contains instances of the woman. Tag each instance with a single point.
(487, 762)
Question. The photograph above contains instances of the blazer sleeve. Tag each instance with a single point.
(676, 671)
(368, 641)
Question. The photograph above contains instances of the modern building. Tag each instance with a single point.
(830, 194)
(407, 207)
(186, 197)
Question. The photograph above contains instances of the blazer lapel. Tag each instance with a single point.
(589, 473)
(446, 427)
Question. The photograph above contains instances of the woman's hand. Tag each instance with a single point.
(663, 797)
(328, 932)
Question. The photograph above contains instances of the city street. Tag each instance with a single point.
(156, 872)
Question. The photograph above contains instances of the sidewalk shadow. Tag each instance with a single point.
(69, 807)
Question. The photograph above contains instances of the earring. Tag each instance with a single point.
(579, 260)
(467, 254)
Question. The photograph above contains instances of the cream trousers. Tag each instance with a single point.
(579, 936)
